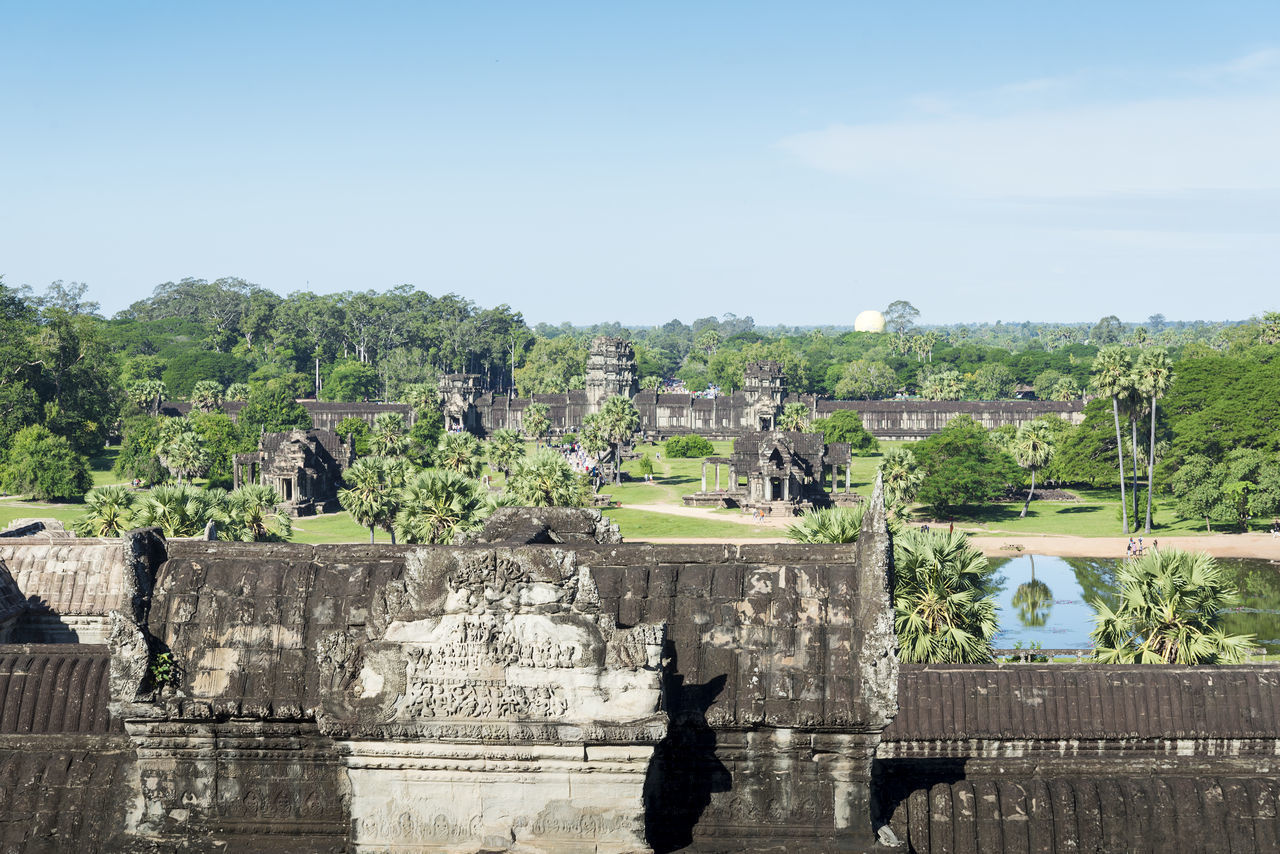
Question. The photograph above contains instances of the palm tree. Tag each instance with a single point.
(390, 437)
(147, 394)
(1170, 602)
(943, 611)
(181, 510)
(1111, 376)
(902, 479)
(545, 479)
(832, 525)
(794, 416)
(206, 395)
(436, 504)
(1033, 599)
(1032, 448)
(536, 421)
(369, 496)
(619, 420)
(460, 452)
(504, 448)
(183, 455)
(1155, 376)
(252, 516)
(592, 436)
(418, 395)
(237, 391)
(110, 512)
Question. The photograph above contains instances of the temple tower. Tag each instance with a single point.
(458, 396)
(611, 369)
(765, 387)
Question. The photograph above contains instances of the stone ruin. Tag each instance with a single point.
(303, 466)
(589, 696)
(786, 473)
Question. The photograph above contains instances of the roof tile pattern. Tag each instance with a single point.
(67, 577)
(952, 702)
(57, 689)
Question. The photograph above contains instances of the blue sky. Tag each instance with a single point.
(796, 162)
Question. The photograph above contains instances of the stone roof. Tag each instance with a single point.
(1088, 701)
(68, 577)
(50, 689)
(528, 525)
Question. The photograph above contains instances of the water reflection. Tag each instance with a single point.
(1046, 600)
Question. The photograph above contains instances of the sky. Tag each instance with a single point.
(796, 162)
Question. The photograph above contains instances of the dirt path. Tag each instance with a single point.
(780, 523)
(1258, 545)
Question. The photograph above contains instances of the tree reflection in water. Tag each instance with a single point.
(1033, 599)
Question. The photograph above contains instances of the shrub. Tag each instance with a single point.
(45, 467)
(688, 446)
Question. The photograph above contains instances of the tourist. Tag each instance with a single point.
(1129, 551)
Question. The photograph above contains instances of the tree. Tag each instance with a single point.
(351, 381)
(943, 608)
(1154, 375)
(845, 425)
(866, 379)
(545, 479)
(237, 391)
(900, 316)
(437, 504)
(650, 383)
(794, 416)
(424, 436)
(993, 381)
(44, 466)
(902, 477)
(962, 466)
(1066, 389)
(182, 453)
(943, 385)
(1112, 377)
(553, 366)
(460, 452)
(536, 422)
(1032, 449)
(370, 495)
(418, 395)
(252, 516)
(357, 429)
(389, 437)
(180, 510)
(137, 457)
(1107, 331)
(1169, 613)
(272, 408)
(691, 446)
(1045, 383)
(109, 512)
(619, 420)
(828, 525)
(504, 448)
(206, 395)
(147, 394)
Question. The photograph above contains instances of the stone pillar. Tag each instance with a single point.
(786, 488)
(848, 478)
(733, 478)
(717, 477)
(704, 475)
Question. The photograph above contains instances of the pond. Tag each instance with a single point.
(1045, 600)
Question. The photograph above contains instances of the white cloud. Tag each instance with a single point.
(1152, 146)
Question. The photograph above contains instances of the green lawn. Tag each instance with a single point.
(333, 528)
(644, 524)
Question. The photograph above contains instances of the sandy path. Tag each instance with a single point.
(780, 523)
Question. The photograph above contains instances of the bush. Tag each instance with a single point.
(45, 467)
(271, 408)
(845, 425)
(688, 446)
(359, 428)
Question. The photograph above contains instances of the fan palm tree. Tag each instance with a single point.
(181, 510)
(1154, 372)
(504, 448)
(369, 495)
(592, 436)
(832, 525)
(1168, 613)
(536, 421)
(183, 455)
(389, 438)
(418, 395)
(619, 420)
(110, 512)
(147, 394)
(902, 479)
(1033, 449)
(436, 504)
(943, 611)
(794, 416)
(1033, 599)
(460, 452)
(1112, 376)
(252, 516)
(545, 479)
(237, 391)
(206, 395)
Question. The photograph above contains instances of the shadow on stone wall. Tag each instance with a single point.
(684, 771)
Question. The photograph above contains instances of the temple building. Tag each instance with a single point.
(303, 466)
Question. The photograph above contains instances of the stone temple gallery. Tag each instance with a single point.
(548, 688)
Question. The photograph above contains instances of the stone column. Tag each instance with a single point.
(848, 478)
(717, 477)
(704, 475)
(733, 478)
(786, 488)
